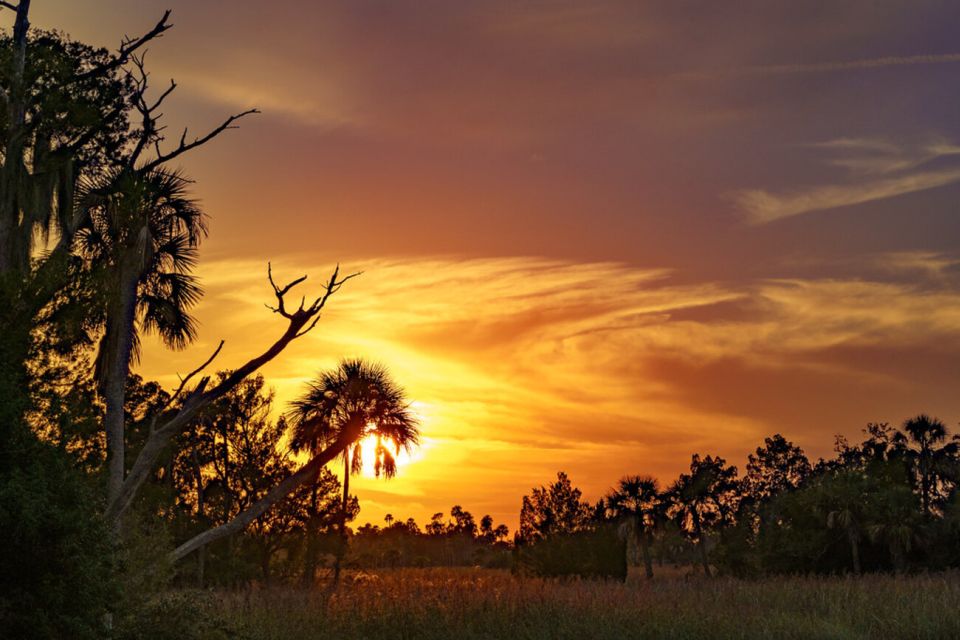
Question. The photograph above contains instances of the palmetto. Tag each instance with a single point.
(636, 500)
(140, 241)
(354, 401)
(143, 233)
(703, 499)
(930, 455)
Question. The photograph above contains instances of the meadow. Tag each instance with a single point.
(484, 603)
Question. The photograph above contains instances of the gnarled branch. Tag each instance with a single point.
(183, 146)
(200, 397)
(128, 46)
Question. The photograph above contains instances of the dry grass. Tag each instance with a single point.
(473, 603)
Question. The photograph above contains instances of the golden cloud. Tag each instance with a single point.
(523, 366)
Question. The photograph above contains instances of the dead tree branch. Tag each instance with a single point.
(191, 375)
(128, 47)
(299, 323)
(185, 146)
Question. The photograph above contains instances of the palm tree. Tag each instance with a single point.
(636, 500)
(358, 398)
(845, 518)
(928, 455)
(141, 238)
(702, 499)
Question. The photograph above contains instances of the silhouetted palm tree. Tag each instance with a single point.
(361, 399)
(846, 520)
(703, 499)
(141, 238)
(636, 500)
(928, 456)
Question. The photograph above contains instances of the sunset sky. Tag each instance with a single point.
(596, 237)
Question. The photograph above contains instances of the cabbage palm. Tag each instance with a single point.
(930, 457)
(141, 239)
(703, 499)
(358, 399)
(636, 500)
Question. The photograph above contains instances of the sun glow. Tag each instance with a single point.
(368, 453)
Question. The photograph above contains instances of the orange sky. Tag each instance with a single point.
(594, 238)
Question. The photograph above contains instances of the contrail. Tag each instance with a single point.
(825, 67)
(870, 63)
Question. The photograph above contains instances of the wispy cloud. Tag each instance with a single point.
(880, 170)
(760, 206)
(522, 366)
(847, 65)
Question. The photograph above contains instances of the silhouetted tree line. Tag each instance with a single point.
(890, 503)
(456, 541)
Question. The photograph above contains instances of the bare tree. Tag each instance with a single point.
(299, 321)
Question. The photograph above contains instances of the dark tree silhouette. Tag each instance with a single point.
(704, 499)
(554, 509)
(777, 466)
(931, 456)
(636, 501)
(361, 399)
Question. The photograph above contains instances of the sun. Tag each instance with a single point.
(368, 452)
(403, 457)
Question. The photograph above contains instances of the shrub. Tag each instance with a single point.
(598, 553)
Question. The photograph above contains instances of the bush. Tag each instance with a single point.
(56, 567)
(598, 553)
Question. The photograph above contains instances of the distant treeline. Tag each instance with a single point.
(889, 503)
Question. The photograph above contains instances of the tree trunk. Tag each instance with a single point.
(342, 548)
(854, 550)
(645, 550)
(924, 483)
(265, 554)
(310, 550)
(118, 343)
(701, 544)
(12, 256)
(201, 514)
(899, 558)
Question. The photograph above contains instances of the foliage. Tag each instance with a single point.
(554, 509)
(56, 553)
(456, 542)
(600, 552)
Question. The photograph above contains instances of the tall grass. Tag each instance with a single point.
(466, 603)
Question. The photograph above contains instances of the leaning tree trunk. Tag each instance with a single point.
(118, 343)
(275, 495)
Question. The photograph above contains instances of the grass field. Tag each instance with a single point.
(474, 603)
